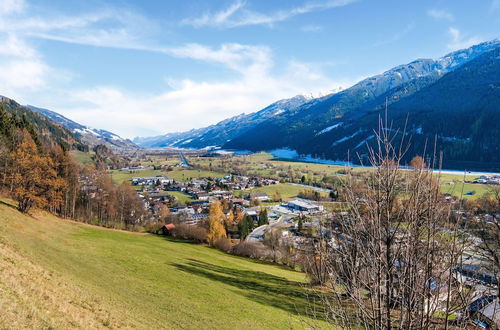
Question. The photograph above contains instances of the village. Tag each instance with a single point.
(302, 224)
(236, 192)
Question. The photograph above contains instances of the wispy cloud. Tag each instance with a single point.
(237, 14)
(11, 6)
(254, 86)
(441, 15)
(459, 41)
(311, 28)
(253, 79)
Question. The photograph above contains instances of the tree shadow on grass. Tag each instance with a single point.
(266, 289)
(11, 205)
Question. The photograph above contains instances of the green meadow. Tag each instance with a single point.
(61, 274)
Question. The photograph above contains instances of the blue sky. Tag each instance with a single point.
(148, 67)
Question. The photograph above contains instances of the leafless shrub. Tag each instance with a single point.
(223, 244)
(190, 232)
(250, 250)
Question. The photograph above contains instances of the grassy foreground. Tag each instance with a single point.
(60, 274)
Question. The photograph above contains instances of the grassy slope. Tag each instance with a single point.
(287, 191)
(57, 273)
(178, 174)
(82, 157)
(181, 198)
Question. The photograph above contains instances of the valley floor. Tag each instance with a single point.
(60, 274)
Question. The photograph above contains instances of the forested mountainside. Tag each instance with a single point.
(460, 107)
(14, 117)
(88, 135)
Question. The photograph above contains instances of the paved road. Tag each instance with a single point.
(184, 161)
(257, 235)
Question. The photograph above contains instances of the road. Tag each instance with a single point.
(184, 161)
(257, 235)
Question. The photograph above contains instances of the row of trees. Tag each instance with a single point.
(39, 176)
(43, 175)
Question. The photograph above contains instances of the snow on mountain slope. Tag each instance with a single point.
(220, 133)
(88, 135)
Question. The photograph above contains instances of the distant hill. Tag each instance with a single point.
(224, 131)
(12, 114)
(88, 135)
(461, 110)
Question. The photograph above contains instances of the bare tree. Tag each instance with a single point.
(393, 251)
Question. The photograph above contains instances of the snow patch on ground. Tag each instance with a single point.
(345, 138)
(287, 153)
(454, 139)
(329, 128)
(284, 153)
(364, 141)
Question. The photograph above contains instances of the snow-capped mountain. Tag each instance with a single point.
(401, 74)
(224, 131)
(88, 135)
(455, 98)
(287, 122)
(301, 130)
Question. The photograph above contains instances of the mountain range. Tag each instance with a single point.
(452, 102)
(88, 135)
(455, 98)
(224, 131)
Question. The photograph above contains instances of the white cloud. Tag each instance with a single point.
(441, 15)
(256, 80)
(238, 15)
(11, 6)
(21, 65)
(458, 41)
(24, 68)
(238, 57)
(200, 102)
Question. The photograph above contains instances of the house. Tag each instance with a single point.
(474, 274)
(166, 229)
(485, 312)
(303, 206)
(260, 196)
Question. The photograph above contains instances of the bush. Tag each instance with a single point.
(250, 250)
(153, 227)
(223, 244)
(190, 232)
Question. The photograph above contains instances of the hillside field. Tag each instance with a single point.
(264, 164)
(61, 274)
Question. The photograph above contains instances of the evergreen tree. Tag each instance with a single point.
(300, 224)
(245, 227)
(263, 219)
